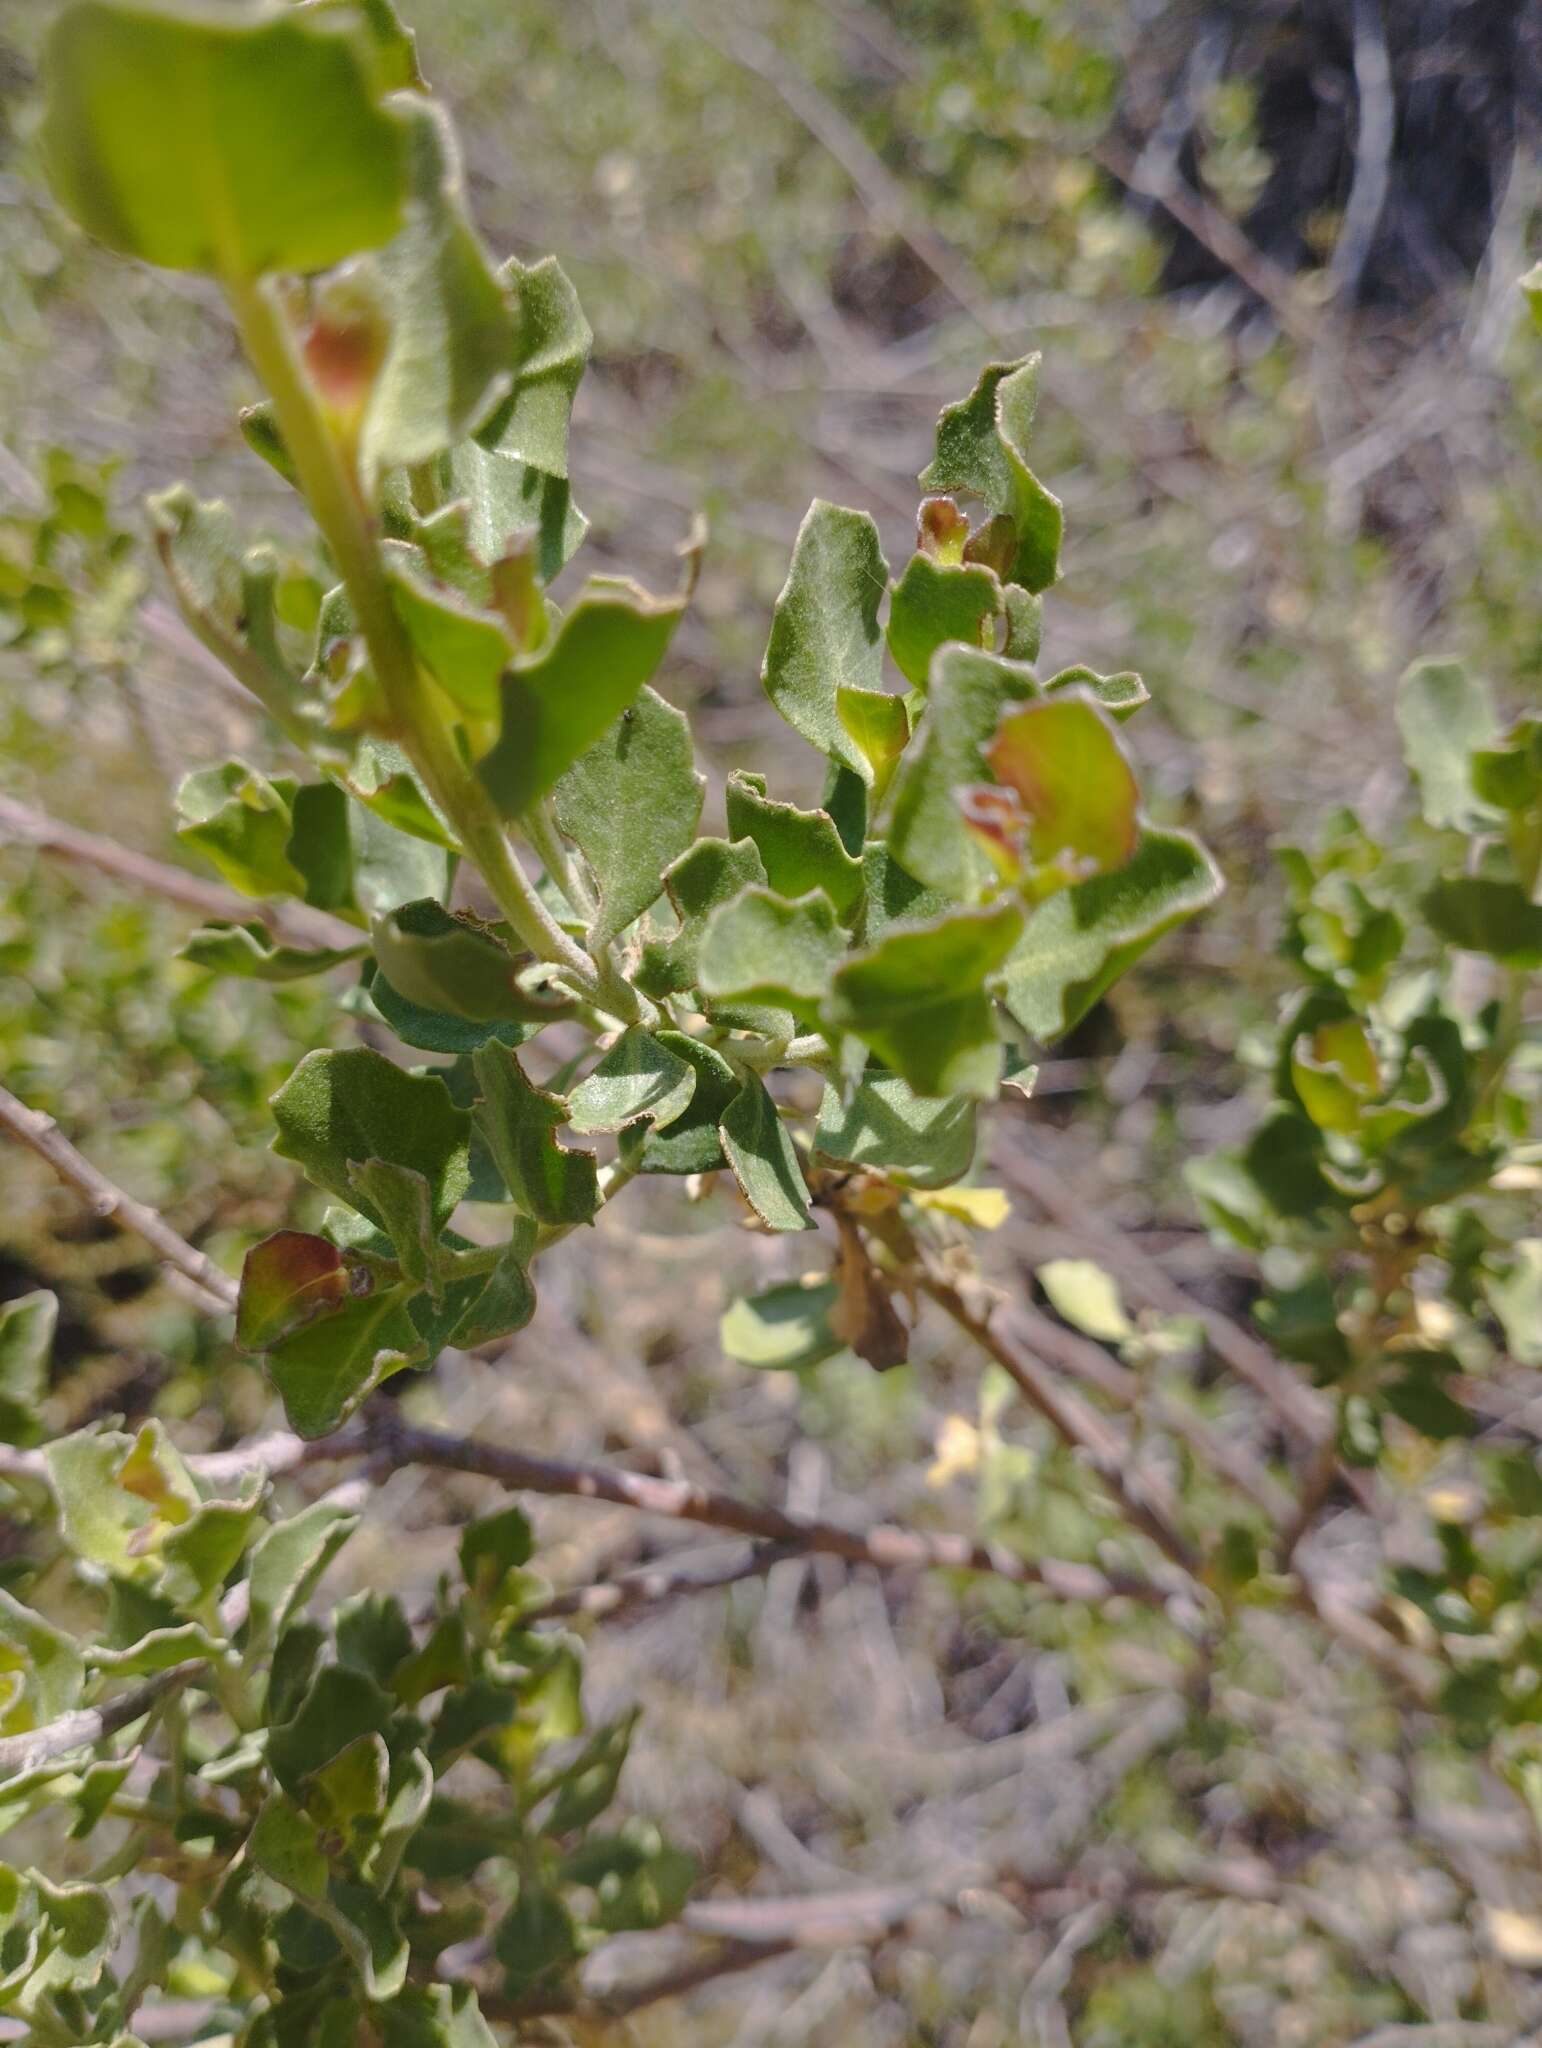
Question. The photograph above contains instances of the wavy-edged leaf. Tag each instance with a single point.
(518, 1123)
(1080, 941)
(27, 1324)
(982, 449)
(631, 805)
(1078, 792)
(251, 952)
(711, 873)
(760, 947)
(968, 692)
(782, 1329)
(233, 140)
(448, 359)
(557, 706)
(825, 635)
(919, 1140)
(1446, 715)
(638, 1077)
(339, 1107)
(934, 602)
(691, 1144)
(764, 1161)
(800, 850)
(918, 999)
(450, 962)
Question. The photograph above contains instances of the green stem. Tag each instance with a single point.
(331, 489)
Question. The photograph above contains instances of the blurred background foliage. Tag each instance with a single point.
(1269, 252)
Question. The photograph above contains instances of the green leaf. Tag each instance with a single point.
(551, 346)
(171, 136)
(536, 1940)
(1080, 941)
(918, 999)
(493, 1547)
(77, 1937)
(691, 1144)
(934, 602)
(800, 850)
(464, 650)
(506, 1302)
(202, 1552)
(451, 963)
(251, 952)
(438, 2016)
(764, 1161)
(118, 1495)
(1444, 716)
(981, 449)
(892, 895)
(919, 1140)
(1483, 915)
(784, 1329)
(1121, 695)
(286, 1564)
(447, 363)
(399, 1196)
(762, 948)
(968, 692)
(27, 1324)
(240, 822)
(338, 1107)
(323, 1370)
(1083, 1294)
(557, 706)
(637, 1078)
(1076, 787)
(631, 805)
(512, 503)
(519, 1123)
(435, 1030)
(879, 722)
(395, 47)
(381, 777)
(588, 1785)
(47, 1663)
(711, 873)
(219, 592)
(825, 636)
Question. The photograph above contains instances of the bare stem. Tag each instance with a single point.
(215, 1290)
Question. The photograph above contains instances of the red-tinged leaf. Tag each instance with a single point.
(287, 1281)
(1079, 791)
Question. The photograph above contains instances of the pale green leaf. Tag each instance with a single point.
(800, 850)
(1445, 715)
(784, 1329)
(1079, 942)
(935, 602)
(631, 805)
(231, 139)
(555, 707)
(825, 635)
(919, 999)
(637, 1078)
(982, 449)
(764, 1161)
(519, 1122)
(1087, 1297)
(921, 1141)
(968, 692)
(339, 1107)
(760, 947)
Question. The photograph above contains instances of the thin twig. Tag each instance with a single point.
(90, 1725)
(1142, 1500)
(215, 1290)
(296, 922)
(886, 1546)
(607, 1598)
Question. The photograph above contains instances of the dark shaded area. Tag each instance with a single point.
(1464, 79)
